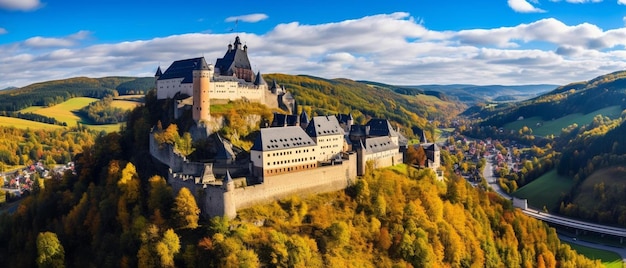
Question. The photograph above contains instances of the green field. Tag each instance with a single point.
(24, 124)
(545, 190)
(64, 112)
(554, 127)
(125, 104)
(608, 259)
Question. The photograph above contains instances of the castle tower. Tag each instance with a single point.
(201, 101)
(228, 185)
(157, 75)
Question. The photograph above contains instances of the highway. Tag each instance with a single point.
(550, 218)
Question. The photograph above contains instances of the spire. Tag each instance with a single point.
(158, 72)
(275, 88)
(423, 137)
(237, 43)
(304, 117)
(259, 79)
(228, 178)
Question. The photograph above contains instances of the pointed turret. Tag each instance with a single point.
(423, 137)
(275, 87)
(228, 183)
(259, 79)
(304, 119)
(158, 73)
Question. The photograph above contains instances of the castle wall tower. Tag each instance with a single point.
(201, 82)
(228, 186)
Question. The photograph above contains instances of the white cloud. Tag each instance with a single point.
(70, 40)
(580, 1)
(621, 2)
(522, 6)
(248, 18)
(24, 5)
(3, 30)
(389, 48)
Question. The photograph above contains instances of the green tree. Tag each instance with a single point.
(50, 252)
(184, 144)
(186, 211)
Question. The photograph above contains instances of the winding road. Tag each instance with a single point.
(603, 229)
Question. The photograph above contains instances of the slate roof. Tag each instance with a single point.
(380, 127)
(279, 138)
(224, 149)
(379, 144)
(282, 120)
(184, 69)
(431, 147)
(158, 72)
(344, 118)
(324, 126)
(234, 58)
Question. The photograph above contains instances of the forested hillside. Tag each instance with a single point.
(117, 211)
(581, 97)
(55, 92)
(320, 96)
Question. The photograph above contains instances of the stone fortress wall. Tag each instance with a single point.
(215, 200)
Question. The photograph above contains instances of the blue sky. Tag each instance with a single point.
(403, 42)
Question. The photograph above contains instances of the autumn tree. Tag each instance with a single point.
(186, 211)
(158, 249)
(50, 252)
(129, 183)
(416, 155)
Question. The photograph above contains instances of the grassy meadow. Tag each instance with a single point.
(24, 124)
(554, 127)
(608, 259)
(545, 190)
(64, 112)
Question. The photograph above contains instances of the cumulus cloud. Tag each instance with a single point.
(390, 48)
(23, 5)
(248, 18)
(522, 6)
(621, 2)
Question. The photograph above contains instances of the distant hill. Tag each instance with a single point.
(365, 100)
(580, 97)
(6, 88)
(54, 92)
(473, 94)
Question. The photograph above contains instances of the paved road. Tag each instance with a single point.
(492, 181)
(620, 251)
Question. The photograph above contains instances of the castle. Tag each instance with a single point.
(294, 156)
(194, 84)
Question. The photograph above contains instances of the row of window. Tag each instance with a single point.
(297, 160)
(291, 152)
